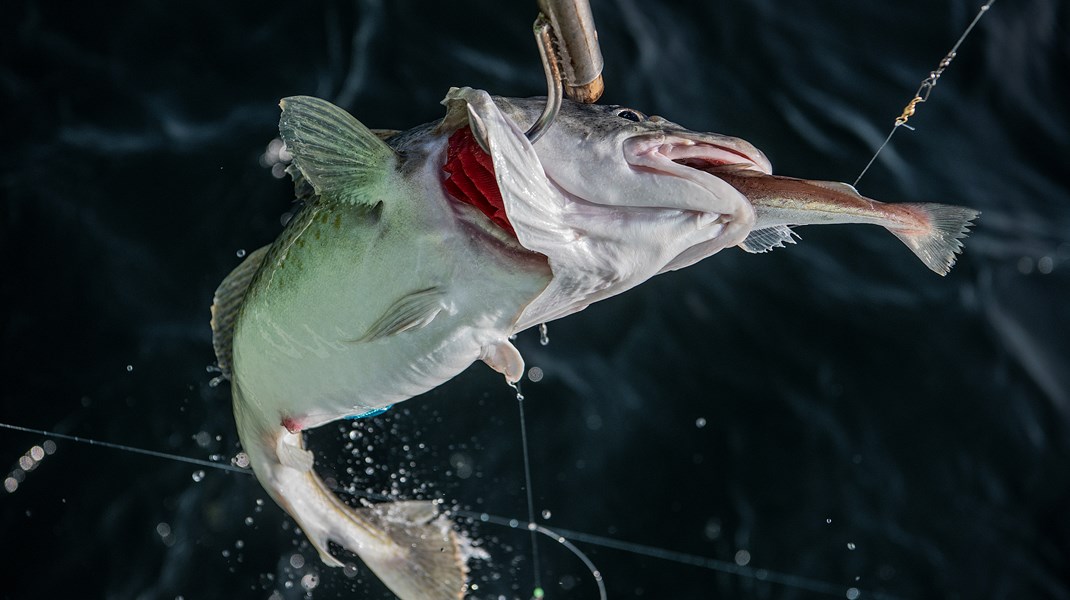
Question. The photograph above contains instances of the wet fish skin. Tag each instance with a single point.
(934, 232)
(384, 286)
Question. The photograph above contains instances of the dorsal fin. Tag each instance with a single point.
(337, 154)
(836, 186)
(227, 304)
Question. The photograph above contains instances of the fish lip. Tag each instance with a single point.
(685, 154)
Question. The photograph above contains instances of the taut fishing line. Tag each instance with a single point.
(925, 89)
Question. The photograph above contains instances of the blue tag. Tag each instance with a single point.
(371, 413)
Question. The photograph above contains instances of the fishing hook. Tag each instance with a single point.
(571, 57)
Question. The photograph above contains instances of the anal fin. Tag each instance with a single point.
(764, 240)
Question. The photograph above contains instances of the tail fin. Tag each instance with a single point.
(938, 245)
(410, 546)
(425, 560)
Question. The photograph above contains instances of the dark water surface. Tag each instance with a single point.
(832, 413)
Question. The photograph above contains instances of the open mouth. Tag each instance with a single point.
(706, 154)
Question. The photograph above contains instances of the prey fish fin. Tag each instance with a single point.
(412, 311)
(504, 358)
(938, 245)
(836, 186)
(337, 154)
(226, 305)
(764, 240)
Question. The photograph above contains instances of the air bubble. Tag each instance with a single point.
(129, 368)
(546, 514)
(851, 545)
(198, 476)
(700, 422)
(544, 334)
(742, 558)
(240, 253)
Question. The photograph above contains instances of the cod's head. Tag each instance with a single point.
(608, 194)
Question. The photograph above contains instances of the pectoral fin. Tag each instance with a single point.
(764, 240)
(504, 358)
(410, 312)
(336, 153)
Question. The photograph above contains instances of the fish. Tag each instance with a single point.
(418, 253)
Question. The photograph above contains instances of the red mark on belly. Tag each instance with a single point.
(291, 424)
(470, 178)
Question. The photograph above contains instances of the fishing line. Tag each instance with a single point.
(538, 592)
(925, 89)
(555, 534)
(92, 442)
(562, 536)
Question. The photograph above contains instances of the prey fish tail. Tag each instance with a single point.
(933, 232)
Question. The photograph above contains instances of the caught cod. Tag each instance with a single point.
(414, 257)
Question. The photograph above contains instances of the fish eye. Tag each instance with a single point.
(631, 115)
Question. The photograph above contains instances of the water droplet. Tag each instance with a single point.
(349, 570)
(535, 374)
(10, 485)
(544, 334)
(713, 529)
(1025, 265)
(853, 593)
(27, 463)
(198, 476)
(828, 521)
(37, 453)
(537, 593)
(1045, 265)
(49, 446)
(248, 520)
(240, 253)
(546, 514)
(129, 368)
(850, 545)
(240, 459)
(297, 561)
(742, 558)
(700, 422)
(215, 381)
(310, 581)
(514, 523)
(532, 526)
